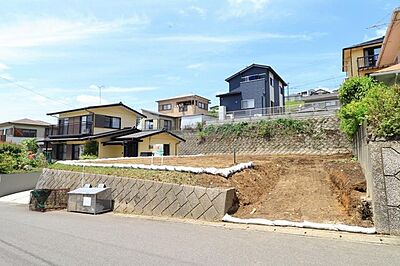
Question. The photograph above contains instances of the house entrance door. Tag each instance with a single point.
(131, 149)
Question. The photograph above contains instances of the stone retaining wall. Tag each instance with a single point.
(385, 174)
(149, 197)
(326, 139)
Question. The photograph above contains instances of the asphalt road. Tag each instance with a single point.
(61, 238)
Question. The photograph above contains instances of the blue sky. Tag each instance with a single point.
(141, 51)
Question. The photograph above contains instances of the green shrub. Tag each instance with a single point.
(352, 116)
(379, 107)
(383, 112)
(30, 145)
(262, 128)
(10, 148)
(88, 157)
(291, 125)
(91, 148)
(354, 89)
(7, 163)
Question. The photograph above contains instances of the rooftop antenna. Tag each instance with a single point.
(100, 88)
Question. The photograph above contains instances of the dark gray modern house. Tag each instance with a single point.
(256, 86)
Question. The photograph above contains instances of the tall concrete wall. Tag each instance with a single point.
(13, 183)
(326, 138)
(385, 166)
(149, 197)
(380, 161)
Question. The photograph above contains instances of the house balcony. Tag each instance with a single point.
(367, 62)
(71, 129)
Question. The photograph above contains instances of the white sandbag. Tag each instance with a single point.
(305, 224)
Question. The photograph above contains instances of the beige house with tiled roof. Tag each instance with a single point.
(18, 130)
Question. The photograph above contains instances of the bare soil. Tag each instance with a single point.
(292, 187)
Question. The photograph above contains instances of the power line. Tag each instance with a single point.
(313, 82)
(378, 23)
(32, 91)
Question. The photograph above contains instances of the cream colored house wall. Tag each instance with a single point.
(128, 118)
(351, 64)
(110, 151)
(192, 109)
(162, 138)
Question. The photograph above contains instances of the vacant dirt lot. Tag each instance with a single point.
(292, 187)
(195, 161)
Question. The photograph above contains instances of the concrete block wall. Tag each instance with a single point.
(385, 174)
(326, 139)
(149, 197)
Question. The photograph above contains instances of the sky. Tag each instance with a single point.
(54, 55)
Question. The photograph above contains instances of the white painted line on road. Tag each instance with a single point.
(305, 224)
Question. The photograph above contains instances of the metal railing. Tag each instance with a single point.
(367, 61)
(303, 110)
(78, 128)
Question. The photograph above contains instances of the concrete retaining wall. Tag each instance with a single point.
(13, 183)
(385, 173)
(149, 197)
(380, 161)
(325, 139)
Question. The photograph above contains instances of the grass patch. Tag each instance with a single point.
(154, 175)
(295, 103)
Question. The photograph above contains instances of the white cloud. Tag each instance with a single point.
(87, 100)
(240, 8)
(234, 38)
(122, 89)
(195, 66)
(51, 31)
(3, 67)
(16, 39)
(193, 9)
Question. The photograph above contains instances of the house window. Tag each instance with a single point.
(63, 126)
(138, 120)
(271, 81)
(253, 77)
(247, 104)
(112, 122)
(202, 105)
(167, 124)
(25, 133)
(166, 107)
(183, 108)
(148, 124)
(86, 124)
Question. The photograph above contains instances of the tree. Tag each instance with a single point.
(30, 145)
(91, 148)
(354, 89)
